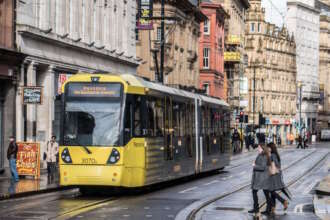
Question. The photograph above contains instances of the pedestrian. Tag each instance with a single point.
(11, 156)
(247, 142)
(305, 140)
(236, 141)
(260, 178)
(276, 182)
(299, 142)
(51, 157)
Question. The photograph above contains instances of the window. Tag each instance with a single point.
(252, 27)
(206, 57)
(259, 27)
(159, 34)
(206, 87)
(207, 27)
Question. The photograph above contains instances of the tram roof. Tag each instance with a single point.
(138, 81)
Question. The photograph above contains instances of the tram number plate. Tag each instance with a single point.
(88, 161)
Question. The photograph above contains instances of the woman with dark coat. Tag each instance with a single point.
(260, 178)
(276, 181)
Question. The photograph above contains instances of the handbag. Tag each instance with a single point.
(273, 169)
(45, 156)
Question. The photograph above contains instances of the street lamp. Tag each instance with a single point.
(300, 85)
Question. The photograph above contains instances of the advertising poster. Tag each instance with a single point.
(28, 159)
(144, 16)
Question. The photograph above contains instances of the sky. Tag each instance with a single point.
(272, 14)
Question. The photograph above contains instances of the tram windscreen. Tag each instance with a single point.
(92, 120)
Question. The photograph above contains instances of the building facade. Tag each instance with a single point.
(324, 68)
(303, 20)
(181, 66)
(9, 63)
(64, 37)
(271, 74)
(211, 50)
(234, 52)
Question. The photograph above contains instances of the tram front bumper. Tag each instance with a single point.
(90, 175)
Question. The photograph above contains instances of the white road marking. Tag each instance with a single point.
(299, 208)
(214, 181)
(146, 207)
(127, 215)
(227, 178)
(189, 189)
(148, 216)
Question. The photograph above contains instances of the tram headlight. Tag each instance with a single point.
(114, 156)
(66, 156)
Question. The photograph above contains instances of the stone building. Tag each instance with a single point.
(271, 73)
(61, 38)
(211, 50)
(9, 63)
(303, 20)
(324, 68)
(234, 51)
(181, 66)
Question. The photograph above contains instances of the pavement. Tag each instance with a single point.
(27, 185)
(322, 198)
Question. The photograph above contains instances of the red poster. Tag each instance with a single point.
(28, 159)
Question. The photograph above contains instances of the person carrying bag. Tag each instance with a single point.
(51, 156)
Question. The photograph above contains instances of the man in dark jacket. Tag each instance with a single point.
(11, 156)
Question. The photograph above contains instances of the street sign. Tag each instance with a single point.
(32, 95)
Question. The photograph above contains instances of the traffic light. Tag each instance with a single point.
(241, 117)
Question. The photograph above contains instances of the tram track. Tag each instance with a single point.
(203, 204)
(84, 205)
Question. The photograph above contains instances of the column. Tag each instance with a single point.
(19, 106)
(51, 95)
(31, 108)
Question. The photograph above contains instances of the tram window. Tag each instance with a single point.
(137, 117)
(155, 119)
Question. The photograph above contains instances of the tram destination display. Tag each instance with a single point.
(102, 90)
(32, 95)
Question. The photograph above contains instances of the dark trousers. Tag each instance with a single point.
(256, 201)
(300, 145)
(274, 196)
(268, 200)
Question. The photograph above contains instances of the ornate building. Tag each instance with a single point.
(271, 73)
(181, 66)
(61, 38)
(234, 51)
(211, 50)
(324, 68)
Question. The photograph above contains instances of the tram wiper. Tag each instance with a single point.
(86, 149)
(79, 144)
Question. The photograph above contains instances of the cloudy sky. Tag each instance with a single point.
(273, 10)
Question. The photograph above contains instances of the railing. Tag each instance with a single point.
(233, 40)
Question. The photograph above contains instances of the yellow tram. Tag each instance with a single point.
(124, 131)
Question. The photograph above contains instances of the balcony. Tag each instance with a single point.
(232, 56)
(233, 40)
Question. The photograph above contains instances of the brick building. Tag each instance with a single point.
(211, 50)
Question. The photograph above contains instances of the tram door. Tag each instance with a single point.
(199, 137)
(168, 129)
